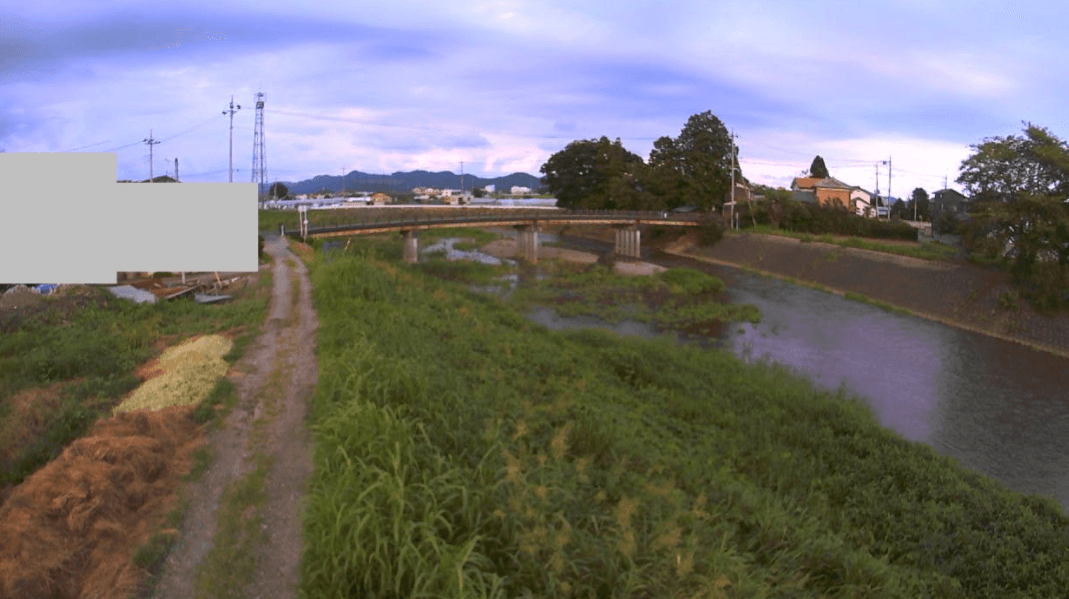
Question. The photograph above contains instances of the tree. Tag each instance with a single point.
(694, 168)
(478, 192)
(594, 174)
(1002, 168)
(918, 205)
(898, 210)
(278, 191)
(817, 169)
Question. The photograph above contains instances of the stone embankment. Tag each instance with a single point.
(959, 294)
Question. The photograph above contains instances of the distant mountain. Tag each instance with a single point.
(405, 182)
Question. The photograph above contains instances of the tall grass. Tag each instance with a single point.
(461, 450)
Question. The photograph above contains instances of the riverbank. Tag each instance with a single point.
(497, 458)
(961, 295)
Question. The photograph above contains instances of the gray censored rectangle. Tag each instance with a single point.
(67, 220)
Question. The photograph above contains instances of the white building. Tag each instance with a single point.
(517, 190)
(491, 188)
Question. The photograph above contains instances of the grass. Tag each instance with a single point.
(924, 251)
(858, 297)
(94, 351)
(677, 299)
(461, 450)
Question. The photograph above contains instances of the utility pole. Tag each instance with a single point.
(231, 111)
(461, 177)
(733, 179)
(177, 180)
(150, 142)
(889, 178)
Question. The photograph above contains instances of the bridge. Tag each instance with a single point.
(527, 222)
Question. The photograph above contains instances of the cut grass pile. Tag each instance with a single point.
(190, 373)
(462, 451)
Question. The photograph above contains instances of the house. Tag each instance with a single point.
(861, 202)
(949, 200)
(825, 192)
(517, 190)
(490, 188)
(831, 191)
(379, 198)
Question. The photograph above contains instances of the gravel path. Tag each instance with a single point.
(286, 345)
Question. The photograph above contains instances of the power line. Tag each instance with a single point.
(231, 112)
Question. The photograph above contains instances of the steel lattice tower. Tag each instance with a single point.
(259, 165)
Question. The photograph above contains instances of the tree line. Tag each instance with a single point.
(692, 169)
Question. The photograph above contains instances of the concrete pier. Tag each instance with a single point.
(527, 243)
(627, 242)
(411, 252)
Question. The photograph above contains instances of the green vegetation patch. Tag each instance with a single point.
(461, 450)
(679, 299)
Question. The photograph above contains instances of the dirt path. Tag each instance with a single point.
(274, 380)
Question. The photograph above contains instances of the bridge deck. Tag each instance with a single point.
(388, 224)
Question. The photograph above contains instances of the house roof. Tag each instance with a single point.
(832, 183)
(804, 182)
(949, 194)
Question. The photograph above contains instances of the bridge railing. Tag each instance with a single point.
(491, 216)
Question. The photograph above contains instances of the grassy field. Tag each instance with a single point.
(83, 360)
(924, 251)
(463, 451)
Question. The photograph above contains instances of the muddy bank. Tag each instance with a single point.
(961, 295)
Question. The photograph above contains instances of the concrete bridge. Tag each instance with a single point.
(528, 224)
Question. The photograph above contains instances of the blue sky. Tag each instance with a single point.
(502, 84)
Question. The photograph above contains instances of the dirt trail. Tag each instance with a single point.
(274, 380)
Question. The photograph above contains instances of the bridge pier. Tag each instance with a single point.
(527, 243)
(627, 242)
(411, 252)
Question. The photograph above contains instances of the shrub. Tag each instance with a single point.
(710, 232)
(946, 223)
(260, 252)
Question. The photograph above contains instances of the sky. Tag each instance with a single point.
(497, 86)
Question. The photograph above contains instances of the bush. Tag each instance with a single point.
(261, 250)
(947, 222)
(821, 220)
(710, 232)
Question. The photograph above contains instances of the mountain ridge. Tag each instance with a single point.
(406, 181)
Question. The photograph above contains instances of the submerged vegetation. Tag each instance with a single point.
(462, 450)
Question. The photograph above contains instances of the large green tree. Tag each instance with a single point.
(278, 190)
(694, 168)
(595, 173)
(1019, 187)
(817, 169)
(1002, 168)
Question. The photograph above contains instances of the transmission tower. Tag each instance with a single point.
(259, 167)
(150, 142)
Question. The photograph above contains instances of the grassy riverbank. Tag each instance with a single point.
(924, 251)
(461, 450)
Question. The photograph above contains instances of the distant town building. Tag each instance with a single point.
(491, 188)
(517, 190)
(379, 198)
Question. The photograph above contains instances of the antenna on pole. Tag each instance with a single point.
(150, 142)
(231, 112)
(259, 168)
